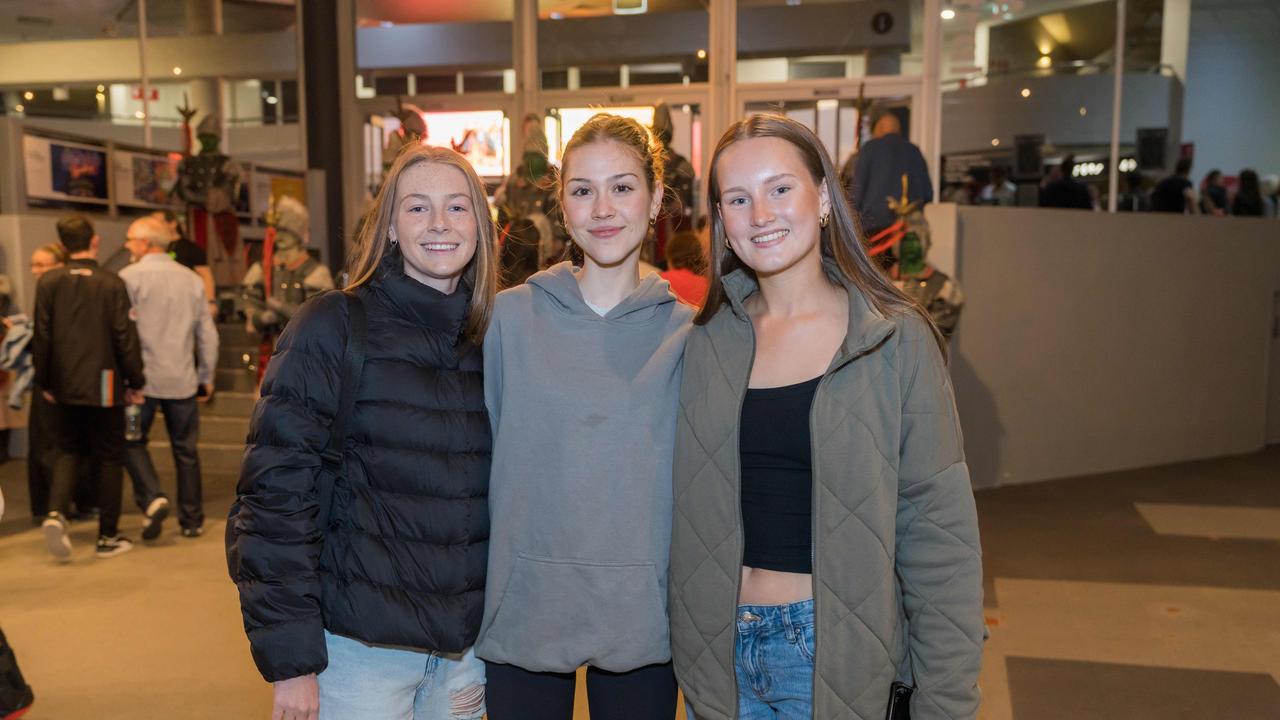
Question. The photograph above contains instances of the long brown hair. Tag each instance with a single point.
(840, 240)
(372, 240)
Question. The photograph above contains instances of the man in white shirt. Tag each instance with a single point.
(179, 353)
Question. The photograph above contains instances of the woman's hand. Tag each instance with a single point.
(297, 699)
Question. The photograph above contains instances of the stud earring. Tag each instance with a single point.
(823, 220)
(653, 221)
(392, 239)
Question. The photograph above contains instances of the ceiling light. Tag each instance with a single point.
(140, 115)
(630, 7)
(1083, 111)
(28, 95)
(948, 14)
(557, 16)
(995, 142)
(702, 54)
(1026, 92)
(1044, 61)
(177, 70)
(102, 88)
(19, 108)
(272, 100)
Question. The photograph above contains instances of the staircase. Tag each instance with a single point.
(224, 420)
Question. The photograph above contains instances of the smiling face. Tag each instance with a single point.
(42, 261)
(435, 222)
(607, 201)
(770, 205)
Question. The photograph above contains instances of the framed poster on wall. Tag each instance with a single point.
(65, 171)
(144, 178)
(269, 184)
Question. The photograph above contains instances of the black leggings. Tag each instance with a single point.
(647, 693)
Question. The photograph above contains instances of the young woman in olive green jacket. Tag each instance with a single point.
(825, 549)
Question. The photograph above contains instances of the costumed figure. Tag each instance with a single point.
(290, 272)
(933, 289)
(526, 196)
(412, 131)
(677, 211)
(209, 184)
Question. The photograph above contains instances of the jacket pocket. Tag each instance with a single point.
(559, 614)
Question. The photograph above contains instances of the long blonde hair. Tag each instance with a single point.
(840, 240)
(373, 241)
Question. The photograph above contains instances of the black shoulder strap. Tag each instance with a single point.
(352, 366)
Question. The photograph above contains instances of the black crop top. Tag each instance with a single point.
(777, 478)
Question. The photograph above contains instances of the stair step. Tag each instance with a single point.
(215, 458)
(236, 334)
(236, 380)
(229, 404)
(218, 430)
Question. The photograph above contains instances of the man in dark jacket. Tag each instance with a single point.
(1063, 191)
(88, 361)
(877, 174)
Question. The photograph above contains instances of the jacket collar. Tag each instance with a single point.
(83, 262)
(868, 327)
(422, 304)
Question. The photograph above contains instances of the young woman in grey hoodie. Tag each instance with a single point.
(581, 380)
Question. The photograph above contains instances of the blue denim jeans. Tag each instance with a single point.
(373, 682)
(774, 661)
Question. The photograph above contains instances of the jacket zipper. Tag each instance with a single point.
(742, 548)
(813, 529)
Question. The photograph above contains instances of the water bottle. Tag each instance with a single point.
(132, 422)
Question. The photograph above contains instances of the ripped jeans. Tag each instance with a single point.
(372, 682)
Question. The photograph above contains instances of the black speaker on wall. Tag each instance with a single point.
(1027, 161)
(1151, 148)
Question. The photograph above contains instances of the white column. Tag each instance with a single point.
(524, 55)
(1175, 36)
(722, 73)
(142, 73)
(1117, 100)
(353, 184)
(931, 93)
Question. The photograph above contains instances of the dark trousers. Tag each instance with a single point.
(647, 693)
(96, 433)
(182, 420)
(42, 453)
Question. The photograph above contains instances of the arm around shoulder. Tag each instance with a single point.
(939, 560)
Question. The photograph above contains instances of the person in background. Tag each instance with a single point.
(687, 268)
(677, 215)
(826, 538)
(1176, 194)
(189, 255)
(519, 256)
(1131, 197)
(581, 368)
(88, 363)
(878, 170)
(1249, 200)
(1063, 191)
(368, 611)
(1270, 186)
(1213, 194)
(179, 353)
(1000, 191)
(10, 417)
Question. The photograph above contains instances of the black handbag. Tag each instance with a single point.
(899, 702)
(331, 460)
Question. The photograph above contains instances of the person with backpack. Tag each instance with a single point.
(359, 535)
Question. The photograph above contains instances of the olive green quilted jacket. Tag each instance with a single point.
(897, 576)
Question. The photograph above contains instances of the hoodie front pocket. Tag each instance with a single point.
(564, 613)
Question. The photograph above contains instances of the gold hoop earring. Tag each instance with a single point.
(823, 220)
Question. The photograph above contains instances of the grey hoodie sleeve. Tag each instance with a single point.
(939, 562)
(493, 372)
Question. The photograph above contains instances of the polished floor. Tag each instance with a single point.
(1152, 593)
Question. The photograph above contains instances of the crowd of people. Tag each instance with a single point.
(1246, 195)
(101, 354)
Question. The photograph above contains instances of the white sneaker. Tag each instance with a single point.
(54, 529)
(157, 510)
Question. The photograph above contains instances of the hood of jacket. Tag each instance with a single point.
(559, 283)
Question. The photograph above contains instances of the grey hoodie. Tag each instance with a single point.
(583, 409)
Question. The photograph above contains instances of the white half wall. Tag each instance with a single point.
(1093, 342)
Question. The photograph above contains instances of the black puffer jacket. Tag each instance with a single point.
(403, 560)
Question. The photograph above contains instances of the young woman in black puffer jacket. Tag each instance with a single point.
(372, 613)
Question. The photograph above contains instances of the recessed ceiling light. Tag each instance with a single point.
(1026, 92)
(177, 70)
(1083, 111)
(28, 95)
(702, 54)
(948, 14)
(995, 142)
